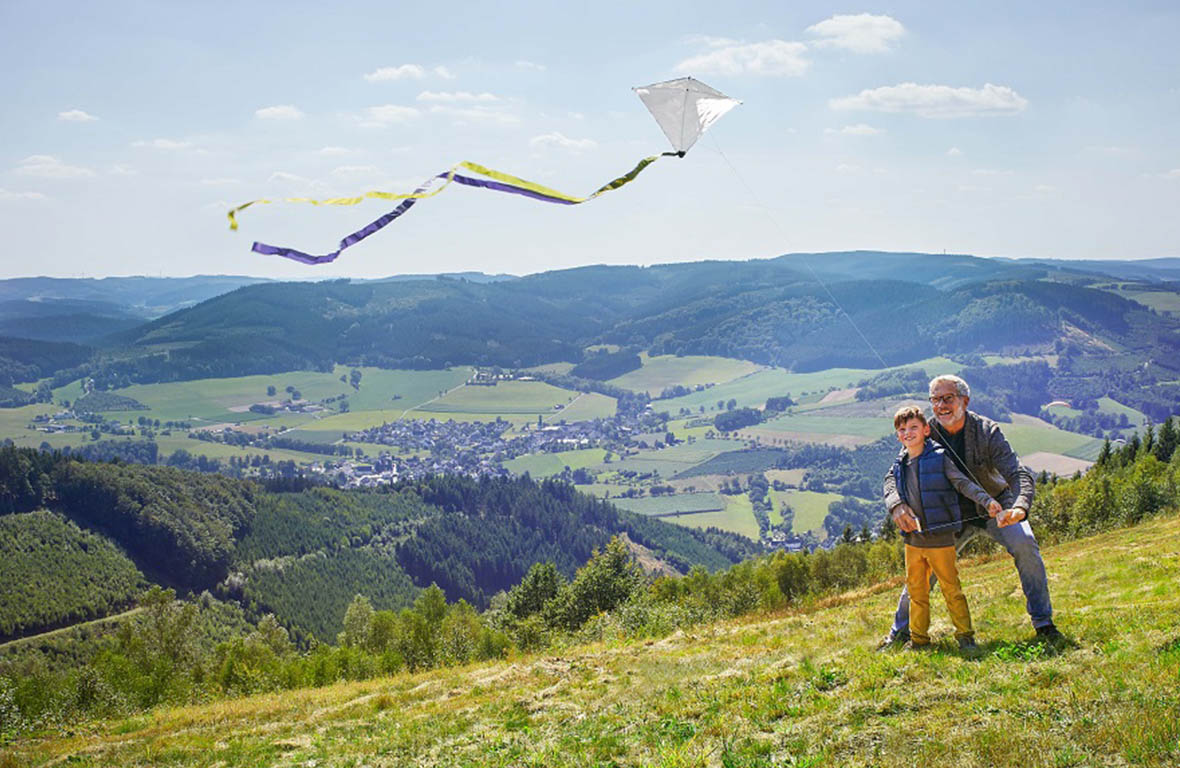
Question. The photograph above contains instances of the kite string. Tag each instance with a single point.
(783, 235)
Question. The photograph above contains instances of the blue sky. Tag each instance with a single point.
(997, 129)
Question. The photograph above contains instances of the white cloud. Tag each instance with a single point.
(7, 195)
(454, 97)
(576, 115)
(123, 170)
(860, 129)
(476, 115)
(334, 151)
(710, 41)
(444, 73)
(1172, 174)
(348, 171)
(389, 114)
(860, 33)
(1045, 189)
(168, 144)
(532, 65)
(990, 172)
(847, 168)
(954, 152)
(772, 57)
(292, 178)
(556, 139)
(76, 116)
(1110, 150)
(279, 112)
(220, 182)
(936, 101)
(410, 71)
(49, 167)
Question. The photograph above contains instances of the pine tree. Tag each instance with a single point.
(1104, 456)
(1165, 444)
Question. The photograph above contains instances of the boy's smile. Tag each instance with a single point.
(912, 434)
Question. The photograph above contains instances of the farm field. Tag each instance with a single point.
(810, 509)
(586, 406)
(508, 397)
(674, 459)
(1161, 301)
(753, 390)
(1026, 439)
(664, 371)
(683, 503)
(546, 464)
(738, 517)
(227, 400)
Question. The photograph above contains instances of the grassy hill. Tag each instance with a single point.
(796, 688)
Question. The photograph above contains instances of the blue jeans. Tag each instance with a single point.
(1022, 545)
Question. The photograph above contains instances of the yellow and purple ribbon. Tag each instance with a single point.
(495, 181)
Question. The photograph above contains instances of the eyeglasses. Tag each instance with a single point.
(943, 399)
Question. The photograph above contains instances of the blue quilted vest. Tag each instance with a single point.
(940, 500)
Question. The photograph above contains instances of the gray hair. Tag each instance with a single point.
(960, 385)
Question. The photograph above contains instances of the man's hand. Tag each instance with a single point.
(1011, 517)
(994, 508)
(904, 518)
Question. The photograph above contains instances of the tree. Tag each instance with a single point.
(357, 620)
(540, 585)
(354, 378)
(1165, 444)
(270, 391)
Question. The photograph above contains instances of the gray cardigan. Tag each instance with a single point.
(989, 461)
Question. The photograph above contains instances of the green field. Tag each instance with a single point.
(507, 397)
(816, 424)
(664, 371)
(684, 503)
(810, 509)
(1161, 301)
(586, 406)
(1026, 438)
(546, 464)
(738, 517)
(211, 400)
(753, 390)
(673, 459)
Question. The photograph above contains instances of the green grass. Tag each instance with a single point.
(1161, 301)
(664, 371)
(753, 390)
(1027, 438)
(794, 688)
(738, 517)
(586, 406)
(545, 464)
(811, 508)
(508, 397)
(210, 400)
(683, 503)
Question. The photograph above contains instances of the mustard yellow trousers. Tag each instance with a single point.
(920, 562)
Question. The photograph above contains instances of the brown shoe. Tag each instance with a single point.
(912, 646)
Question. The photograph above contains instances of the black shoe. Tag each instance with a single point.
(893, 640)
(1049, 632)
(968, 645)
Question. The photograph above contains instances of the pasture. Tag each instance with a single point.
(665, 371)
(547, 464)
(811, 508)
(738, 517)
(752, 391)
(586, 406)
(678, 504)
(507, 397)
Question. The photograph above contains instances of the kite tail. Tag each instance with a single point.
(499, 182)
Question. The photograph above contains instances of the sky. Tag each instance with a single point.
(991, 128)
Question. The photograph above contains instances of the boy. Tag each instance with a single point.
(928, 480)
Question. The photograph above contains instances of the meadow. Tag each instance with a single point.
(810, 509)
(679, 504)
(800, 687)
(752, 391)
(546, 464)
(690, 371)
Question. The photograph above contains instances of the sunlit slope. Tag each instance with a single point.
(797, 689)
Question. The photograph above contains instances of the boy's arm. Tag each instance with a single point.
(903, 516)
(968, 488)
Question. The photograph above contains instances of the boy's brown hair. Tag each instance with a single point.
(907, 412)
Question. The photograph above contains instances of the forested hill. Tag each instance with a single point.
(909, 306)
(271, 551)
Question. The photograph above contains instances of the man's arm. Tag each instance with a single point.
(1005, 460)
(967, 487)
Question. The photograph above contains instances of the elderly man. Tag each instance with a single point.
(978, 447)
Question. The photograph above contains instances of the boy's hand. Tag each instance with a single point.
(904, 519)
(994, 508)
